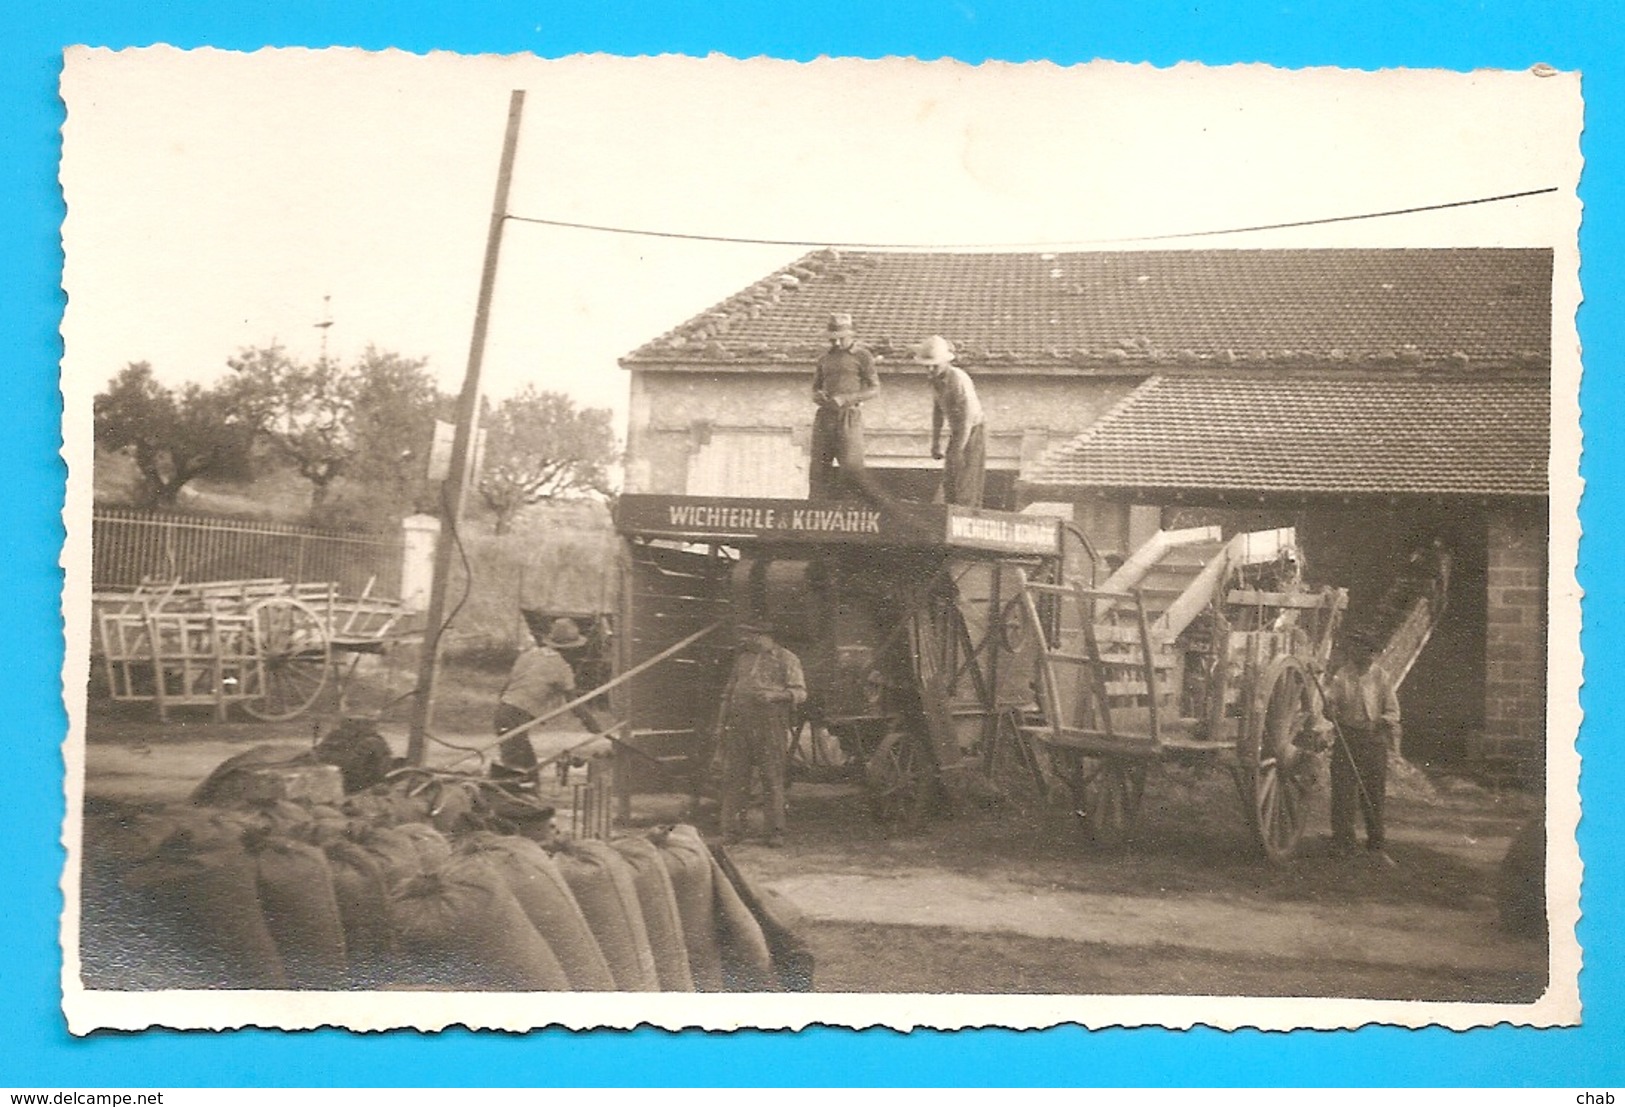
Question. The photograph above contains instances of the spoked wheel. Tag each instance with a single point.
(816, 755)
(292, 653)
(900, 777)
(1276, 769)
(1107, 793)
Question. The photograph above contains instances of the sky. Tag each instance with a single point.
(218, 201)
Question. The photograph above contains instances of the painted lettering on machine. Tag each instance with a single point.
(1008, 533)
(734, 518)
(897, 523)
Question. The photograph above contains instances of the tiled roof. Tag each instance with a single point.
(1314, 435)
(1352, 308)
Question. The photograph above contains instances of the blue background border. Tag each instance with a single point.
(1457, 35)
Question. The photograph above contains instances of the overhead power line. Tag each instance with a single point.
(809, 243)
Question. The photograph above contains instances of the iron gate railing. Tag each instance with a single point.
(131, 546)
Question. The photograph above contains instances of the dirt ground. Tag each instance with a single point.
(997, 897)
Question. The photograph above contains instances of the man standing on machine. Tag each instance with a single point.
(954, 402)
(843, 382)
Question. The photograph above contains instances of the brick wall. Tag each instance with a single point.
(1515, 645)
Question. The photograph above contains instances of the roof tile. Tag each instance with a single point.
(1361, 307)
(1315, 436)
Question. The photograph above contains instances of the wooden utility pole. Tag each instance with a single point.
(455, 486)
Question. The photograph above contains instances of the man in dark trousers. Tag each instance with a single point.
(843, 382)
(1364, 707)
(954, 402)
(540, 681)
(765, 686)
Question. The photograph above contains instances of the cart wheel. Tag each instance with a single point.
(292, 654)
(1276, 760)
(1107, 791)
(898, 778)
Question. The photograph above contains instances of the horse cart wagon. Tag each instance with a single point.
(267, 645)
(1197, 650)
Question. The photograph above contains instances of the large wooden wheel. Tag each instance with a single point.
(1276, 758)
(1106, 792)
(900, 779)
(292, 655)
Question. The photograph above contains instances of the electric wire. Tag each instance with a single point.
(644, 232)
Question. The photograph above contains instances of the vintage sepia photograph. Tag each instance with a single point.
(713, 543)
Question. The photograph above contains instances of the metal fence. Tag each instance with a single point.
(129, 546)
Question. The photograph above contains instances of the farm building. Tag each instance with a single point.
(1389, 404)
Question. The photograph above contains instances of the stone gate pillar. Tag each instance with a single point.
(419, 533)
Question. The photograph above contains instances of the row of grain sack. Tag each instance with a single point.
(288, 895)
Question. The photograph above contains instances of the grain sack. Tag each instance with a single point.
(395, 852)
(460, 928)
(688, 863)
(408, 800)
(361, 888)
(604, 888)
(374, 806)
(133, 836)
(779, 918)
(280, 816)
(432, 848)
(547, 901)
(658, 901)
(327, 824)
(196, 919)
(231, 780)
(747, 964)
(300, 909)
(452, 805)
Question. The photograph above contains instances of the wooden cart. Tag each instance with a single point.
(1197, 650)
(268, 645)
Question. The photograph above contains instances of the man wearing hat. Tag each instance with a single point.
(1364, 709)
(539, 682)
(765, 685)
(844, 380)
(954, 402)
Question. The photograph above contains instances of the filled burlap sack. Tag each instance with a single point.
(361, 889)
(395, 852)
(194, 921)
(300, 909)
(432, 847)
(658, 901)
(603, 886)
(747, 963)
(545, 896)
(460, 928)
(688, 864)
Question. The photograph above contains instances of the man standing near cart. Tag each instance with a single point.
(843, 382)
(954, 402)
(765, 686)
(1365, 712)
